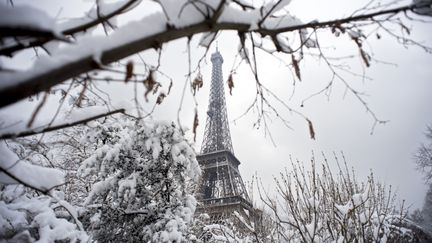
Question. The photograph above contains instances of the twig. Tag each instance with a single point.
(36, 111)
(62, 126)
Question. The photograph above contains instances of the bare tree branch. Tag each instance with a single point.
(57, 127)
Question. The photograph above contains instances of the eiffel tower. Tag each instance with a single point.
(221, 191)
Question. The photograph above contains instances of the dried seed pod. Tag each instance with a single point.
(170, 86)
(365, 57)
(296, 67)
(195, 124)
(311, 129)
(230, 83)
(197, 83)
(160, 98)
(149, 83)
(156, 87)
(378, 36)
(129, 71)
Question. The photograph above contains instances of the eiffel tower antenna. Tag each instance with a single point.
(222, 190)
(217, 135)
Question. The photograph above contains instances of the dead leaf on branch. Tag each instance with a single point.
(296, 66)
(160, 98)
(195, 124)
(129, 71)
(230, 83)
(311, 129)
(156, 87)
(197, 83)
(170, 86)
(149, 83)
(365, 57)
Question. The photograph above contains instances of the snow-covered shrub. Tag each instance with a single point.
(26, 218)
(233, 228)
(325, 206)
(143, 176)
(205, 231)
(38, 212)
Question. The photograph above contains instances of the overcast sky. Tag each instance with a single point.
(398, 92)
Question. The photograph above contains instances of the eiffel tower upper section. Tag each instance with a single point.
(217, 135)
(221, 190)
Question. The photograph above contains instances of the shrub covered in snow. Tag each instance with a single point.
(128, 180)
(26, 218)
(325, 206)
(143, 179)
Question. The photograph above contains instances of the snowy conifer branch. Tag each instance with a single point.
(57, 127)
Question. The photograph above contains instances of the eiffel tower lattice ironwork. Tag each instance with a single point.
(222, 190)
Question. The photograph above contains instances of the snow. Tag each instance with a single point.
(271, 7)
(222, 233)
(182, 13)
(355, 33)
(69, 208)
(283, 21)
(52, 228)
(104, 8)
(26, 17)
(283, 42)
(127, 187)
(95, 219)
(100, 187)
(37, 176)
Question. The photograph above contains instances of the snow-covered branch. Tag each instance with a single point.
(66, 29)
(152, 31)
(17, 171)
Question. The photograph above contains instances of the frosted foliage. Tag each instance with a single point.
(143, 176)
(34, 219)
